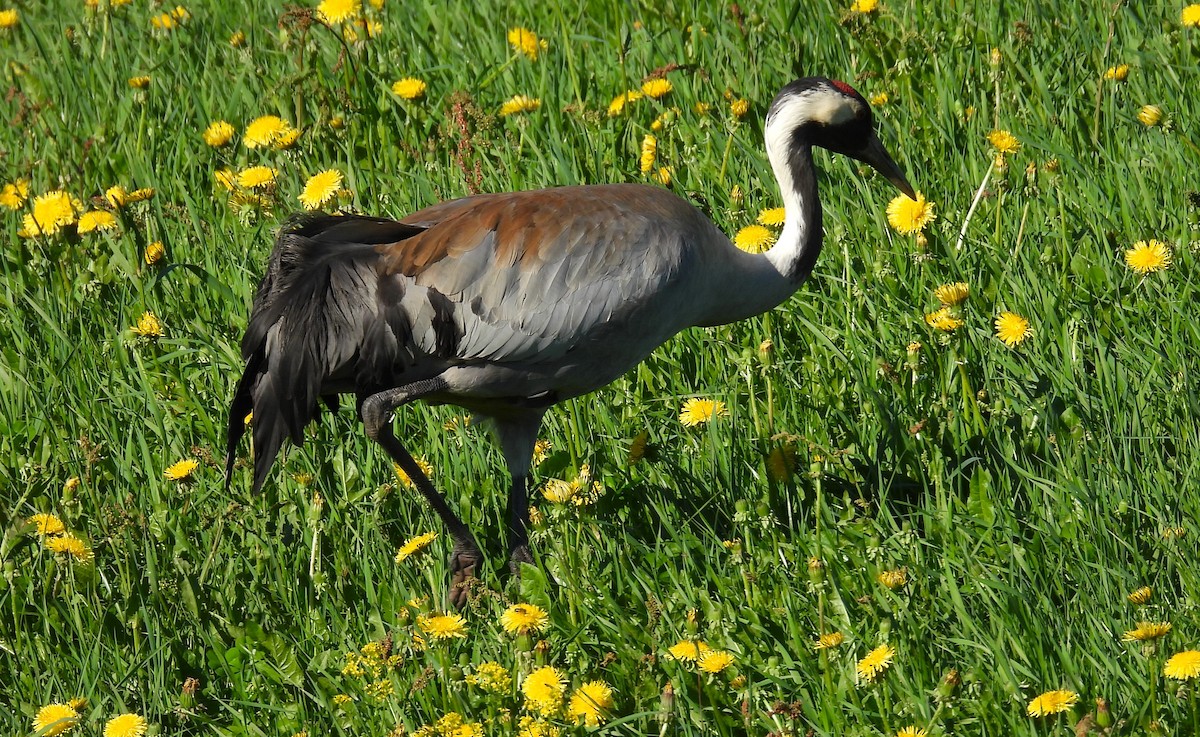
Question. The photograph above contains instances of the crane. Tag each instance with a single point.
(506, 304)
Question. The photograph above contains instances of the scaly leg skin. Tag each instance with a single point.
(518, 524)
(377, 412)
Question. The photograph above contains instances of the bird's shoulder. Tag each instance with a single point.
(527, 230)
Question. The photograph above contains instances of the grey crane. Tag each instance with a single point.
(506, 304)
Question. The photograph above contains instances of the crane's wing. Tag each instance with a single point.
(527, 276)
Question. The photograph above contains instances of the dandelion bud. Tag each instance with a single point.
(948, 684)
(666, 703)
(766, 352)
(736, 195)
(187, 695)
(237, 40)
(913, 355)
(337, 122)
(154, 253)
(816, 570)
(1051, 166)
(69, 487)
(1103, 715)
(738, 683)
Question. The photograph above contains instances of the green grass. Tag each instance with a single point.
(1025, 490)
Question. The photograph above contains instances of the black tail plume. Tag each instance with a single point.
(309, 314)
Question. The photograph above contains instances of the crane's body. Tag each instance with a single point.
(506, 304)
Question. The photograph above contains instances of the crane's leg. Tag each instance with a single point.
(377, 412)
(517, 435)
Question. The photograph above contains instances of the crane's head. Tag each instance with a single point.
(815, 111)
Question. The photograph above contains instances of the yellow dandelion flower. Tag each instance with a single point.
(14, 194)
(408, 483)
(1150, 115)
(591, 703)
(9, 18)
(70, 545)
(47, 524)
(953, 294)
(1012, 329)
(701, 108)
(909, 216)
(1190, 16)
(649, 153)
(1004, 142)
(339, 11)
(218, 133)
(524, 619)
(912, 731)
(54, 719)
(116, 196)
(557, 491)
(1147, 257)
(1141, 595)
(543, 690)
(237, 39)
(829, 640)
(1119, 73)
(617, 106)
(414, 545)
(126, 725)
(264, 131)
(663, 176)
(139, 82)
(541, 451)
(1052, 702)
(226, 179)
(943, 320)
(96, 220)
(181, 470)
(51, 212)
(697, 411)
(862, 7)
(1183, 666)
(689, 650)
(532, 727)
(714, 661)
(154, 253)
(490, 676)
(409, 88)
(656, 88)
(893, 579)
(443, 626)
(879, 99)
(148, 326)
(164, 22)
(525, 41)
(754, 239)
(287, 138)
(256, 177)
(739, 107)
(520, 104)
(1147, 631)
(320, 188)
(773, 216)
(873, 665)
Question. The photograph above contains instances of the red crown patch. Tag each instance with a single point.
(845, 88)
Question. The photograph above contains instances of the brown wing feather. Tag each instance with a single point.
(531, 274)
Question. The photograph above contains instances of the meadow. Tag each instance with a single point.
(950, 487)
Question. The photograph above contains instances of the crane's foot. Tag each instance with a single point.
(519, 555)
(464, 561)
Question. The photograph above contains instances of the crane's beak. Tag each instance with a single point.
(881, 161)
